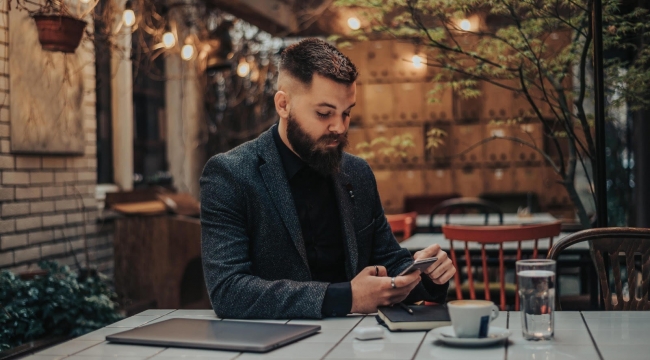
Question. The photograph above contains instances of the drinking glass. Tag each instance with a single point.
(537, 297)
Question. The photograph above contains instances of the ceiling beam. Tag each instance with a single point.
(273, 16)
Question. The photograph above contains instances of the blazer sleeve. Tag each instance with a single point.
(234, 291)
(387, 252)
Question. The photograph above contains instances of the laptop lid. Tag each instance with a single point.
(215, 334)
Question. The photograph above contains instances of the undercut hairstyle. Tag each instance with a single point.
(314, 56)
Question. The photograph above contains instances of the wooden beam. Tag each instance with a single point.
(273, 16)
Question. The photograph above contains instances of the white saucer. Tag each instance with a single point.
(446, 335)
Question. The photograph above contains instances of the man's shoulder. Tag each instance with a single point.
(355, 166)
(239, 157)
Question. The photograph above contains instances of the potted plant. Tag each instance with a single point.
(58, 28)
(55, 302)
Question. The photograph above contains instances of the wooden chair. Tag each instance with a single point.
(483, 235)
(457, 205)
(610, 247)
(402, 223)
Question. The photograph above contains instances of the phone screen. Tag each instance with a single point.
(421, 265)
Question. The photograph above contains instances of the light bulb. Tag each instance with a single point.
(168, 40)
(243, 68)
(465, 24)
(84, 1)
(354, 23)
(187, 52)
(417, 61)
(129, 17)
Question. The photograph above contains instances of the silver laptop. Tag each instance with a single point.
(215, 334)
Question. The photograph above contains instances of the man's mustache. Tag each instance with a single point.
(342, 139)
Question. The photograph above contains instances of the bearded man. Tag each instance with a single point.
(292, 226)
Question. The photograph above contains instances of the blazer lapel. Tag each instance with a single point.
(345, 197)
(277, 184)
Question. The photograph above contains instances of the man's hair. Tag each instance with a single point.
(309, 56)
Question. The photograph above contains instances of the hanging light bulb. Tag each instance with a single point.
(168, 38)
(354, 23)
(187, 52)
(465, 24)
(128, 16)
(84, 1)
(417, 61)
(243, 68)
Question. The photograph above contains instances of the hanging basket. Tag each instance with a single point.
(59, 32)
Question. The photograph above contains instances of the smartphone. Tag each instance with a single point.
(421, 265)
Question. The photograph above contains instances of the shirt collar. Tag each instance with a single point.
(290, 161)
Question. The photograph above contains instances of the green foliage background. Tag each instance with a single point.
(59, 303)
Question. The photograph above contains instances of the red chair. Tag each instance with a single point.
(402, 223)
(483, 235)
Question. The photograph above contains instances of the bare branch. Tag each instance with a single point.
(547, 128)
(513, 139)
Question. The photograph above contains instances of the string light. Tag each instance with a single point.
(417, 61)
(187, 52)
(168, 38)
(354, 23)
(465, 24)
(128, 16)
(243, 68)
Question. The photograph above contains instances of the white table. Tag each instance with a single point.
(422, 240)
(422, 221)
(578, 335)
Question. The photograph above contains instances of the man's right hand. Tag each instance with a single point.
(372, 288)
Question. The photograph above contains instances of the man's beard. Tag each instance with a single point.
(323, 160)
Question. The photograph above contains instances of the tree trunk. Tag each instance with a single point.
(642, 169)
(580, 208)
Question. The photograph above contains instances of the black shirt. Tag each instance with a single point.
(320, 222)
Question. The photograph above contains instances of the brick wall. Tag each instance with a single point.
(47, 203)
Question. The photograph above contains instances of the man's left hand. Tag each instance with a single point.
(440, 271)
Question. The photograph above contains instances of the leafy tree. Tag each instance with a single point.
(513, 44)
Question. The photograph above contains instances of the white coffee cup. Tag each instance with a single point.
(471, 318)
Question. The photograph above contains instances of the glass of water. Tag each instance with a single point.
(537, 298)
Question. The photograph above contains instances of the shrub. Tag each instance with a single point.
(58, 303)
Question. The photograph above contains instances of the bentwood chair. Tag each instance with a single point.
(402, 224)
(519, 238)
(461, 205)
(622, 260)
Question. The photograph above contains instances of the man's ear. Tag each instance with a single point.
(281, 100)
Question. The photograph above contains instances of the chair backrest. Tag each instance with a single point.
(619, 254)
(402, 223)
(462, 204)
(483, 235)
(422, 204)
(510, 202)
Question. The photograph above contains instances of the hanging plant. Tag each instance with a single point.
(58, 28)
(59, 32)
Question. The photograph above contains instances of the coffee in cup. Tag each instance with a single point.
(471, 318)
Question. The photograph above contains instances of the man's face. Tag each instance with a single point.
(318, 122)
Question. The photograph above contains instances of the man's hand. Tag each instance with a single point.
(372, 288)
(440, 271)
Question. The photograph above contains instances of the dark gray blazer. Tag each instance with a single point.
(254, 257)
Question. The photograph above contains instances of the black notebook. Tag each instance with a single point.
(423, 318)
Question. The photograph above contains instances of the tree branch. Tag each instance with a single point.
(547, 128)
(418, 21)
(509, 138)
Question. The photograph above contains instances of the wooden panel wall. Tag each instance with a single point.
(393, 98)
